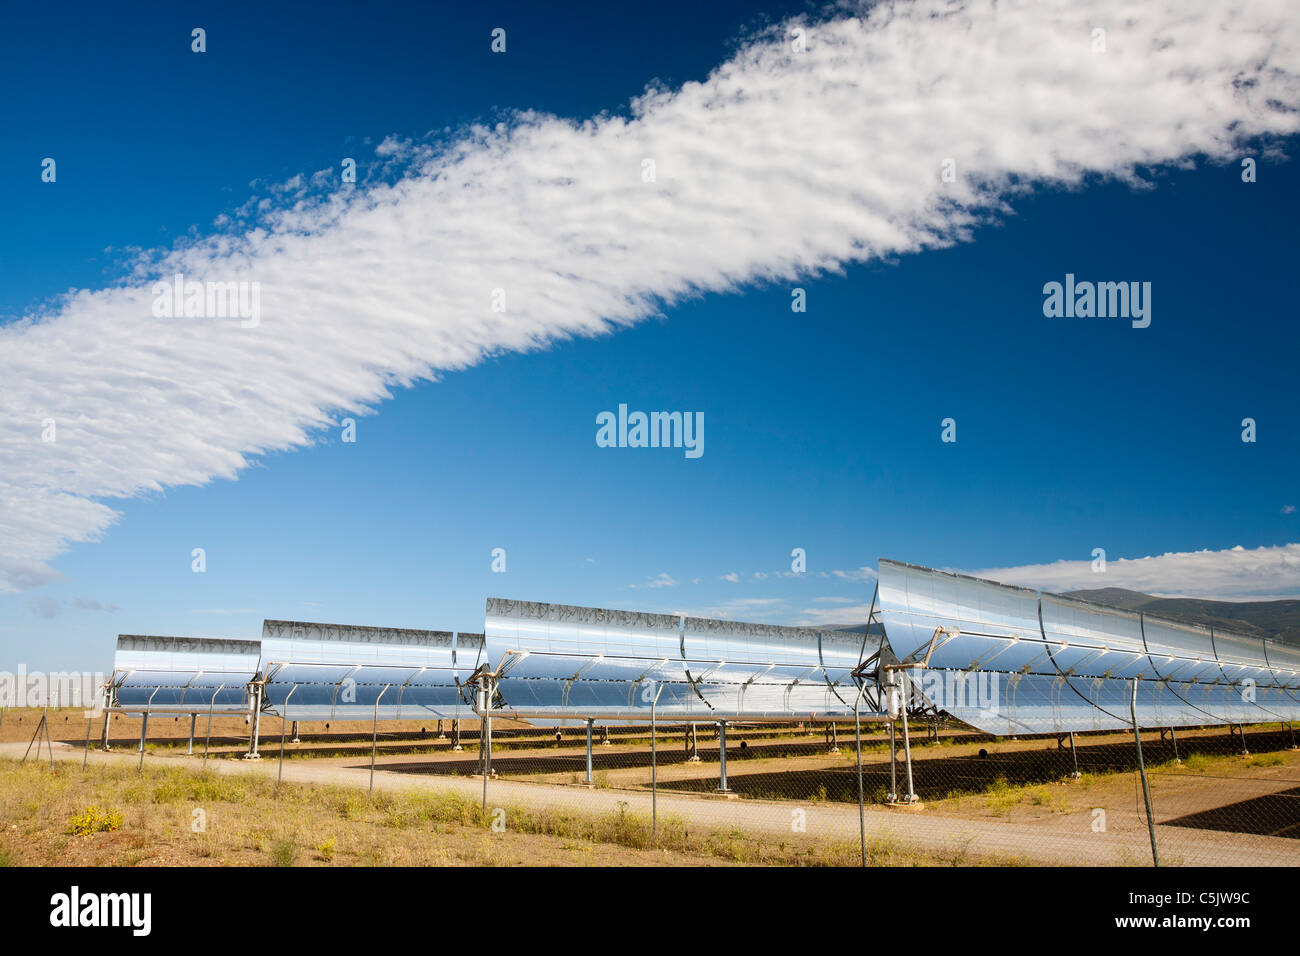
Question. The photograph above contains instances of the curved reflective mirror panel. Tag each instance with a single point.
(190, 673)
(1052, 664)
(559, 660)
(341, 672)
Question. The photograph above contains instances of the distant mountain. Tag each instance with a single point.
(1114, 597)
(1279, 620)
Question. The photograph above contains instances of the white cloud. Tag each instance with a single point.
(779, 165)
(1233, 575)
(758, 610)
(662, 580)
(731, 576)
(91, 604)
(45, 608)
(856, 574)
(1288, 509)
(835, 617)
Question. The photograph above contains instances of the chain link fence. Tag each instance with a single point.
(791, 792)
(819, 792)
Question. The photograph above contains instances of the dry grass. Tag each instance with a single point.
(112, 815)
(1001, 797)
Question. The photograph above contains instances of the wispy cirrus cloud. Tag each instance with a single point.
(661, 580)
(758, 610)
(46, 608)
(845, 615)
(854, 574)
(1235, 574)
(780, 164)
(92, 604)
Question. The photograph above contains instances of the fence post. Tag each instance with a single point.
(144, 726)
(722, 757)
(1142, 770)
(29, 746)
(857, 740)
(907, 756)
(485, 733)
(212, 703)
(893, 766)
(654, 767)
(90, 720)
(487, 751)
(279, 775)
(374, 739)
(589, 723)
(41, 725)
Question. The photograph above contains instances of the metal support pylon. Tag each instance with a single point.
(255, 726)
(907, 756)
(589, 780)
(722, 758)
(892, 796)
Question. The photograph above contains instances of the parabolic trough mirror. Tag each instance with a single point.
(559, 660)
(1017, 661)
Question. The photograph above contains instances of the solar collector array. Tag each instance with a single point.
(559, 660)
(1067, 665)
(1060, 665)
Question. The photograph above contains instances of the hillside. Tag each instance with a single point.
(1279, 620)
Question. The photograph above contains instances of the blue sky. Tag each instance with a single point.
(822, 429)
